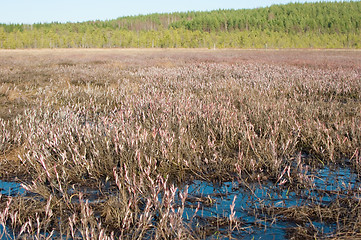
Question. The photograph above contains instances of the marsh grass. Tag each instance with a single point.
(104, 141)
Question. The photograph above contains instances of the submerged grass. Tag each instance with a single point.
(104, 147)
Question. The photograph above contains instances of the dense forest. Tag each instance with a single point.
(295, 25)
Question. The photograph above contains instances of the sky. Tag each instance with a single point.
(41, 11)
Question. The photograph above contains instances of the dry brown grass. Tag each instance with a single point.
(132, 125)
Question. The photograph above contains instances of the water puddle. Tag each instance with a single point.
(11, 189)
(207, 202)
(208, 207)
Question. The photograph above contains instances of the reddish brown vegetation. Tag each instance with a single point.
(135, 124)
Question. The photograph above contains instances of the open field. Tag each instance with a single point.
(180, 144)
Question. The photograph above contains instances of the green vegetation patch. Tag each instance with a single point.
(295, 25)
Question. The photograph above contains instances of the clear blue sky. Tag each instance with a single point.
(35, 11)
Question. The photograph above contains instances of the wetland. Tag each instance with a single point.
(180, 144)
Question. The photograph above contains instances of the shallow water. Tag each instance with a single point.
(250, 203)
(11, 188)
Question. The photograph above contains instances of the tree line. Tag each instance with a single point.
(295, 25)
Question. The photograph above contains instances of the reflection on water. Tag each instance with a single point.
(252, 200)
(11, 188)
(208, 205)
